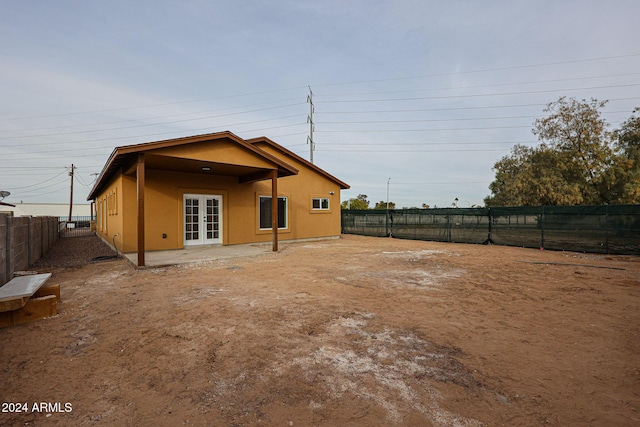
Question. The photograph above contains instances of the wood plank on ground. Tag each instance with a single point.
(35, 308)
(15, 293)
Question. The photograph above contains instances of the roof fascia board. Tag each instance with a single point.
(282, 149)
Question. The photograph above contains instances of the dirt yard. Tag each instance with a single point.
(358, 331)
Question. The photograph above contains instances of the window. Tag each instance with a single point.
(265, 212)
(104, 214)
(320, 204)
(112, 202)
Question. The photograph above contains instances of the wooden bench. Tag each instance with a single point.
(24, 298)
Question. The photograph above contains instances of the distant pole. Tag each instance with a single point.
(387, 219)
(388, 194)
(312, 146)
(71, 192)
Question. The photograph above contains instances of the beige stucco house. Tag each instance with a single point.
(212, 189)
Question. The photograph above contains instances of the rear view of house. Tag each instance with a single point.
(212, 189)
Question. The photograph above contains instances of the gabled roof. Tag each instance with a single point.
(293, 155)
(123, 157)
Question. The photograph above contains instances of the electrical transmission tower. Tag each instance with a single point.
(312, 146)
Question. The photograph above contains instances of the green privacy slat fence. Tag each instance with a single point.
(600, 229)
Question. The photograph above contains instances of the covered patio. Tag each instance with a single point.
(234, 158)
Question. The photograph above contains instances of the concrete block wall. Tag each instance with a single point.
(23, 240)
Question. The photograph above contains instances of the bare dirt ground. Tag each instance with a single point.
(358, 331)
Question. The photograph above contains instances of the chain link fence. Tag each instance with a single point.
(600, 229)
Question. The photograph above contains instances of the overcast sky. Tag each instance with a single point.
(427, 93)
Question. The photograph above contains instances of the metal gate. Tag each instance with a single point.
(79, 226)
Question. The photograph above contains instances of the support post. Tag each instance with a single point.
(140, 190)
(274, 209)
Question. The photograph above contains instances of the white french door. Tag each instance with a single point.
(202, 219)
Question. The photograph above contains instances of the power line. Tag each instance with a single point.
(412, 151)
(135, 126)
(31, 167)
(423, 130)
(107, 110)
(47, 186)
(475, 95)
(43, 182)
(323, 85)
(439, 183)
(482, 107)
(484, 70)
(449, 120)
(428, 143)
(483, 86)
(155, 134)
(161, 117)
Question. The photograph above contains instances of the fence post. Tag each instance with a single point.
(386, 223)
(542, 228)
(606, 227)
(489, 238)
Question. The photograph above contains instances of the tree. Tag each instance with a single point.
(383, 205)
(532, 177)
(578, 132)
(627, 172)
(576, 162)
(359, 202)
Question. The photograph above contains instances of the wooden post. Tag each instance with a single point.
(274, 209)
(140, 183)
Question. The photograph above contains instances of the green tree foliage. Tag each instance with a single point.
(359, 202)
(626, 174)
(383, 205)
(578, 161)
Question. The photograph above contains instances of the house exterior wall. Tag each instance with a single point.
(165, 190)
(110, 211)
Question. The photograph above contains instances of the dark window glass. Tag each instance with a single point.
(265, 212)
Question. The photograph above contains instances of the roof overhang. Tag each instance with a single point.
(124, 159)
(278, 147)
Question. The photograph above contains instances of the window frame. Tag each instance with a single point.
(321, 208)
(285, 213)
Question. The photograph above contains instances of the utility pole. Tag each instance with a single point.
(312, 146)
(387, 216)
(71, 192)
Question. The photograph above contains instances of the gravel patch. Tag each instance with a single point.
(74, 252)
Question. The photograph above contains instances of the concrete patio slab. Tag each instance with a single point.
(198, 254)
